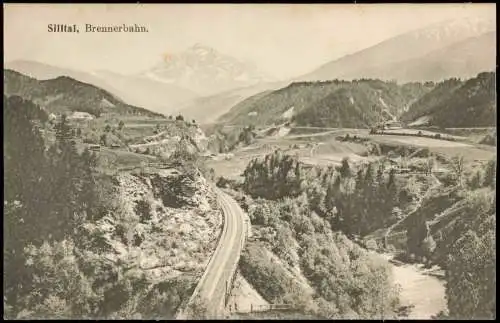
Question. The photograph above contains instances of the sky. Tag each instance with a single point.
(284, 40)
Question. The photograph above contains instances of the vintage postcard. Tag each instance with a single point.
(249, 161)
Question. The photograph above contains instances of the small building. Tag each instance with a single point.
(78, 115)
(95, 147)
(52, 116)
(392, 125)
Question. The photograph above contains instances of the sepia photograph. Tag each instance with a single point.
(249, 161)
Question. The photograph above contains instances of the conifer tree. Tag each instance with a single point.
(345, 168)
(490, 174)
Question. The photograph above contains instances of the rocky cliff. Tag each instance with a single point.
(162, 233)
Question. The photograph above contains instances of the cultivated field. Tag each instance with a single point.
(470, 152)
(421, 141)
(310, 150)
(416, 132)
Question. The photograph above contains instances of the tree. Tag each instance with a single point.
(474, 181)
(458, 169)
(103, 140)
(179, 118)
(345, 169)
(121, 124)
(274, 177)
(429, 165)
(490, 174)
(471, 278)
(246, 136)
(211, 174)
(63, 292)
(107, 128)
(63, 129)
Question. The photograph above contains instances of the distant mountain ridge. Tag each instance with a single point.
(42, 71)
(65, 94)
(336, 103)
(147, 93)
(175, 82)
(208, 109)
(410, 50)
(205, 71)
(464, 59)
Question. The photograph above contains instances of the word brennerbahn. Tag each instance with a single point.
(89, 28)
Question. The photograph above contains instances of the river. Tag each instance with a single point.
(419, 287)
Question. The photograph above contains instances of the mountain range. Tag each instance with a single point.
(366, 102)
(206, 71)
(459, 47)
(327, 104)
(177, 80)
(134, 90)
(208, 86)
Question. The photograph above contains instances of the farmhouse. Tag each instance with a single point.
(77, 115)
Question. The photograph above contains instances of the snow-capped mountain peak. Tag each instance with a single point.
(200, 49)
(205, 71)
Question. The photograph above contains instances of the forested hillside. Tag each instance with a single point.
(48, 194)
(455, 229)
(424, 105)
(64, 94)
(335, 103)
(309, 220)
(455, 103)
(295, 210)
(81, 244)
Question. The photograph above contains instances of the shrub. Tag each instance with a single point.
(143, 210)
